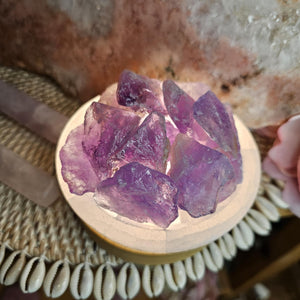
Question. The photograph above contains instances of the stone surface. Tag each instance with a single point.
(76, 168)
(106, 130)
(139, 92)
(201, 175)
(213, 116)
(149, 145)
(251, 61)
(139, 193)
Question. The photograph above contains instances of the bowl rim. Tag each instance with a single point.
(181, 236)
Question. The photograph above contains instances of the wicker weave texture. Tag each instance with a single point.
(56, 232)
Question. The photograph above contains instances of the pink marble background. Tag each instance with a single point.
(246, 51)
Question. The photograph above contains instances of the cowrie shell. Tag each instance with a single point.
(153, 280)
(81, 283)
(275, 195)
(105, 283)
(175, 275)
(128, 285)
(208, 260)
(12, 267)
(239, 239)
(57, 279)
(216, 255)
(33, 275)
(267, 208)
(195, 267)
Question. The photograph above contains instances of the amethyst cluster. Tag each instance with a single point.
(154, 149)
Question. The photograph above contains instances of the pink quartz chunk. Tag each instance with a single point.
(139, 193)
(212, 115)
(180, 108)
(106, 130)
(200, 174)
(149, 145)
(76, 167)
(139, 92)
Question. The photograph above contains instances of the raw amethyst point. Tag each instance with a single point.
(149, 145)
(141, 194)
(76, 168)
(139, 92)
(200, 173)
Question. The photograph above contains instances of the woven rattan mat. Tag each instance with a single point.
(51, 248)
(55, 232)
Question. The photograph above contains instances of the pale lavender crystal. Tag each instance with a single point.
(172, 132)
(109, 96)
(106, 130)
(139, 92)
(200, 174)
(76, 168)
(193, 89)
(149, 145)
(180, 108)
(139, 193)
(212, 115)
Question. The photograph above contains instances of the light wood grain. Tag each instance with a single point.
(185, 233)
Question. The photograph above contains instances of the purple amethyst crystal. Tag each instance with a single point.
(125, 159)
(76, 168)
(149, 145)
(106, 130)
(212, 115)
(179, 105)
(200, 174)
(180, 108)
(139, 193)
(139, 92)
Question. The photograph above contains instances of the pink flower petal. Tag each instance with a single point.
(271, 169)
(291, 195)
(298, 171)
(268, 131)
(285, 153)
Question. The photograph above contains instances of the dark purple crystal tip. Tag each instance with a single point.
(139, 92)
